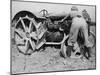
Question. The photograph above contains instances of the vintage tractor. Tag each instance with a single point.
(32, 32)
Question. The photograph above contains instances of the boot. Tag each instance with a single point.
(69, 49)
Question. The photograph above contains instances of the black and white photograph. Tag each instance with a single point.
(52, 37)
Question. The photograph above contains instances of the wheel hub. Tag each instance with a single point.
(28, 35)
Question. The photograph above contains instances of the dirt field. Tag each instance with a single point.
(48, 60)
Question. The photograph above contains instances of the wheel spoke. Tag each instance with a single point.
(33, 35)
(32, 44)
(27, 45)
(20, 33)
(30, 26)
(19, 41)
(23, 24)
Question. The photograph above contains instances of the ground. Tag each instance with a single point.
(48, 60)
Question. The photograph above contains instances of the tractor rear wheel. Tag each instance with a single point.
(25, 35)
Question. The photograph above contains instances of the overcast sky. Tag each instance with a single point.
(52, 8)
